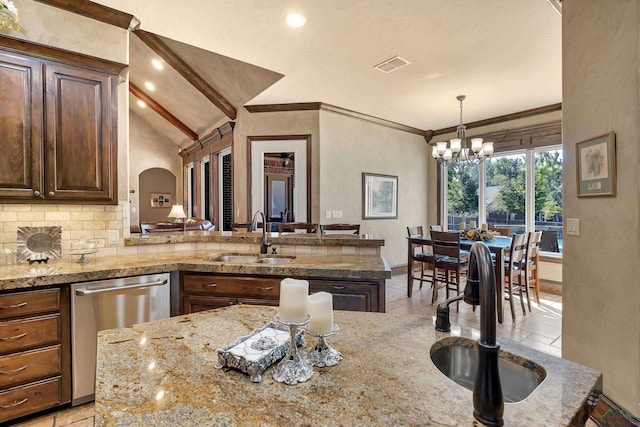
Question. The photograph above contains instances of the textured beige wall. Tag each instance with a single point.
(269, 124)
(601, 295)
(149, 149)
(54, 27)
(349, 147)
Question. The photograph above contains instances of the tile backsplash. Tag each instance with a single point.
(77, 221)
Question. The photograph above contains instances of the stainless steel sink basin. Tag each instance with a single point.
(459, 362)
(275, 260)
(236, 258)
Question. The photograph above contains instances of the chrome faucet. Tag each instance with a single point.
(264, 245)
(488, 402)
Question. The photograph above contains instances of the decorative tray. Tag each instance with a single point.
(38, 244)
(254, 353)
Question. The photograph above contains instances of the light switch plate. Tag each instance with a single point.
(327, 214)
(573, 227)
(337, 214)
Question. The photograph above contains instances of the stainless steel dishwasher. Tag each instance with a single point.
(109, 304)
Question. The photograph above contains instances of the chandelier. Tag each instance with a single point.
(457, 153)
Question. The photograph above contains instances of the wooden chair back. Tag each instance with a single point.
(549, 241)
(517, 251)
(414, 230)
(445, 244)
(436, 227)
(533, 246)
(296, 227)
(340, 228)
(503, 231)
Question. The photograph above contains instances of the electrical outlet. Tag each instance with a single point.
(114, 236)
(337, 214)
(327, 214)
(573, 227)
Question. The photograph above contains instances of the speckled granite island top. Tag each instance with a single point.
(21, 276)
(162, 374)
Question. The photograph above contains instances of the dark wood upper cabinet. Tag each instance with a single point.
(58, 126)
(80, 159)
(20, 127)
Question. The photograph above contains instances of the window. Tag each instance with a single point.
(205, 189)
(191, 187)
(521, 190)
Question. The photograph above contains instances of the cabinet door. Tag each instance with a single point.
(20, 127)
(348, 295)
(80, 134)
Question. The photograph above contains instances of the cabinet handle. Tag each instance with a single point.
(338, 287)
(6, 307)
(14, 404)
(209, 285)
(36, 193)
(264, 288)
(13, 338)
(51, 194)
(13, 371)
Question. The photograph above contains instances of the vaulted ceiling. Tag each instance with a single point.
(504, 55)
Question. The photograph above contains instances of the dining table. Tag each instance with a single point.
(497, 246)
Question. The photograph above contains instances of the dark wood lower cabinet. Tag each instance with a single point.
(35, 355)
(206, 291)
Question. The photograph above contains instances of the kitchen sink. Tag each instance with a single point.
(458, 360)
(236, 258)
(275, 260)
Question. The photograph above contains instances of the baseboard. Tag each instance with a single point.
(551, 287)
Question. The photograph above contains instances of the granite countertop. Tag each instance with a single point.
(307, 239)
(20, 276)
(162, 374)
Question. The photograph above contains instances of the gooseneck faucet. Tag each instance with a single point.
(488, 402)
(264, 245)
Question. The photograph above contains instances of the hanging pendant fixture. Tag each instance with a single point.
(456, 152)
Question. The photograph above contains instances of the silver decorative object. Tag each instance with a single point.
(292, 369)
(322, 354)
(254, 353)
(38, 244)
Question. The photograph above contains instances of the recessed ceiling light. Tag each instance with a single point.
(150, 86)
(295, 20)
(141, 103)
(156, 63)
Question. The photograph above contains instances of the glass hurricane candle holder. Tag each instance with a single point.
(322, 354)
(292, 369)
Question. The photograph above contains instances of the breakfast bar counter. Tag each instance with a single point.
(162, 374)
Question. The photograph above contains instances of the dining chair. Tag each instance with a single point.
(513, 270)
(530, 264)
(339, 228)
(422, 257)
(297, 227)
(447, 257)
(549, 241)
(436, 227)
(503, 231)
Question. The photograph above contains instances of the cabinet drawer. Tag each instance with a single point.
(260, 287)
(30, 332)
(30, 398)
(29, 365)
(350, 296)
(27, 303)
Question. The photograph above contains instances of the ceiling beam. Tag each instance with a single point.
(170, 57)
(137, 92)
(95, 11)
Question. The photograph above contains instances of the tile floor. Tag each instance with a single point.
(541, 329)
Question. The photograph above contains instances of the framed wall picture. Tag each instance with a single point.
(596, 166)
(379, 196)
(161, 200)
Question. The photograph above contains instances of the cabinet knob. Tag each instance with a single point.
(51, 194)
(36, 193)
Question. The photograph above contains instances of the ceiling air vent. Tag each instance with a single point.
(392, 64)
